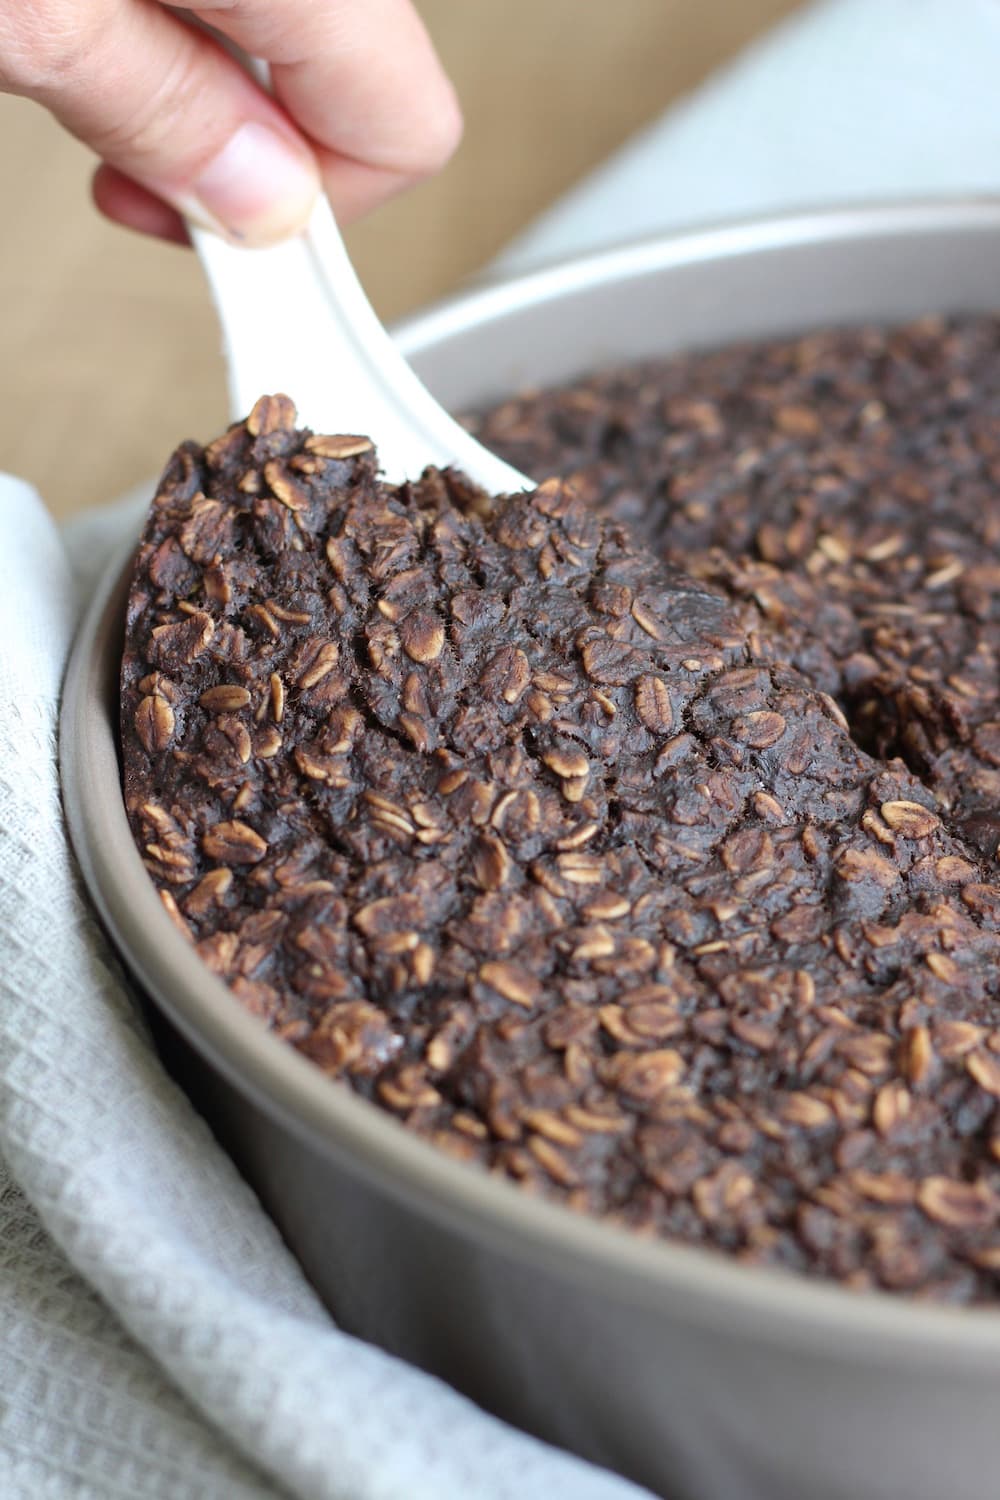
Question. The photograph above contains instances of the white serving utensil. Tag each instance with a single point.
(295, 319)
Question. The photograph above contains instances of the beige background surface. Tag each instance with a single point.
(109, 345)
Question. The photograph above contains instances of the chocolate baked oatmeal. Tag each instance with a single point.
(848, 485)
(666, 893)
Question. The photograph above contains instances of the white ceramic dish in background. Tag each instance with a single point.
(703, 1379)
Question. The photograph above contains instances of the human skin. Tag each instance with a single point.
(360, 105)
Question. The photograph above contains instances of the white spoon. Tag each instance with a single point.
(295, 319)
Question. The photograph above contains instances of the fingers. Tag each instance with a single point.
(360, 98)
(163, 104)
(361, 79)
(130, 204)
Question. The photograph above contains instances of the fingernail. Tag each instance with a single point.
(259, 189)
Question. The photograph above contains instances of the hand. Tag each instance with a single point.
(360, 104)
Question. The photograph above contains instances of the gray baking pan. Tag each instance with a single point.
(700, 1378)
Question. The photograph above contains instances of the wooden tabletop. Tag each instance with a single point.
(111, 351)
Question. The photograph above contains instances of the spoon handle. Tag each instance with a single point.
(295, 318)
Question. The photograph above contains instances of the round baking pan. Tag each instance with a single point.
(701, 1378)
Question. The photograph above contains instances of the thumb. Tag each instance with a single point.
(166, 106)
